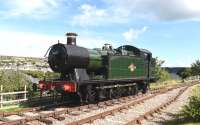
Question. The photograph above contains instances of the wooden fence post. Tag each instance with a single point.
(25, 92)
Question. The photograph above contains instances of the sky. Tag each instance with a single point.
(170, 29)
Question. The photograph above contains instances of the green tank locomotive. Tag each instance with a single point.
(101, 73)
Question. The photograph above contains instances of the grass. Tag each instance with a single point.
(13, 108)
(164, 84)
(196, 91)
(182, 121)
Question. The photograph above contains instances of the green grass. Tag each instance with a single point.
(196, 91)
(192, 123)
(164, 84)
(13, 108)
(182, 121)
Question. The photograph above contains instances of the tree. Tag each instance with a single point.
(13, 80)
(185, 73)
(195, 68)
(159, 73)
(40, 74)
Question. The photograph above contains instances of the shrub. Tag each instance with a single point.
(52, 75)
(13, 80)
(192, 110)
(35, 74)
(158, 72)
(41, 74)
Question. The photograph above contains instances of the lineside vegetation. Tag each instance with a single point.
(190, 114)
(13, 80)
(192, 110)
(162, 77)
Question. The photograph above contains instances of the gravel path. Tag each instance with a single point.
(171, 110)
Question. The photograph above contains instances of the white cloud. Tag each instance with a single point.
(93, 16)
(93, 42)
(132, 34)
(36, 45)
(113, 11)
(90, 15)
(25, 44)
(125, 11)
(32, 8)
(159, 9)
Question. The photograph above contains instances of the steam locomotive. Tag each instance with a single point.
(90, 75)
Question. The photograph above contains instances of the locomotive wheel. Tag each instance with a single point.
(129, 90)
(144, 88)
(110, 93)
(134, 90)
(113, 93)
(91, 95)
(117, 93)
(125, 91)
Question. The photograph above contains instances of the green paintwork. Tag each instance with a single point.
(118, 67)
(95, 60)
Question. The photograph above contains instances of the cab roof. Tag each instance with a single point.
(134, 49)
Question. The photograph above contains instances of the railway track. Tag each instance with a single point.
(133, 112)
(111, 111)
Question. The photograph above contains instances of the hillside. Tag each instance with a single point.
(23, 63)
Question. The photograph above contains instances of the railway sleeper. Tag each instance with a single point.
(60, 118)
(46, 121)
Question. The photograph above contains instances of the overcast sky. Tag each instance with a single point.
(168, 28)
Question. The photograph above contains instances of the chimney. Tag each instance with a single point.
(71, 38)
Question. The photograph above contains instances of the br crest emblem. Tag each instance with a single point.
(132, 67)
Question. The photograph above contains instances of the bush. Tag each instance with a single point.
(164, 75)
(160, 73)
(185, 73)
(195, 67)
(41, 74)
(192, 110)
(52, 75)
(13, 80)
(35, 74)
